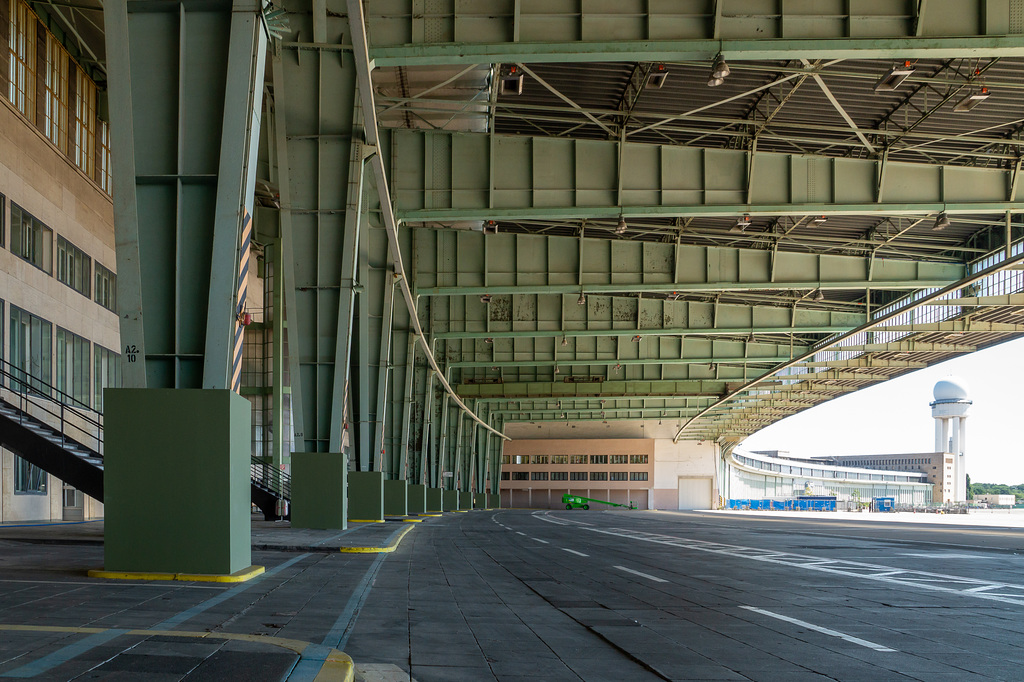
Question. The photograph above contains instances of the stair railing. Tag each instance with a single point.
(270, 478)
(65, 414)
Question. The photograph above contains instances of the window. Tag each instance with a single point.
(539, 476)
(638, 475)
(55, 94)
(520, 476)
(618, 475)
(103, 172)
(559, 459)
(577, 475)
(3, 213)
(539, 459)
(21, 74)
(577, 459)
(74, 268)
(505, 459)
(30, 351)
(72, 368)
(559, 475)
(28, 478)
(598, 459)
(31, 240)
(106, 288)
(598, 475)
(619, 459)
(504, 476)
(638, 459)
(84, 130)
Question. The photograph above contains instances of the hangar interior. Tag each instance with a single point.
(409, 232)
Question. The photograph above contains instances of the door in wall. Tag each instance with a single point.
(695, 493)
(74, 504)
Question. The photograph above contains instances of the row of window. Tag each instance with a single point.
(55, 94)
(32, 240)
(574, 459)
(824, 473)
(886, 462)
(82, 369)
(574, 476)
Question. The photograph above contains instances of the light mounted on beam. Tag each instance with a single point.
(719, 71)
(657, 77)
(941, 222)
(972, 100)
(894, 78)
(741, 224)
(512, 82)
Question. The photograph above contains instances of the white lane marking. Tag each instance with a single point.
(539, 540)
(818, 628)
(573, 551)
(519, 533)
(850, 569)
(940, 555)
(561, 521)
(642, 575)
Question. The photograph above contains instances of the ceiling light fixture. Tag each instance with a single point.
(486, 298)
(941, 222)
(819, 220)
(972, 100)
(819, 295)
(657, 77)
(488, 340)
(512, 82)
(582, 300)
(565, 341)
(621, 227)
(741, 224)
(896, 75)
(719, 71)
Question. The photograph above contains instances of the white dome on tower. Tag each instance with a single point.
(950, 388)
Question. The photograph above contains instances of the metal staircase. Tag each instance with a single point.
(56, 433)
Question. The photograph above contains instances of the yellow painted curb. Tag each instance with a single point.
(461, 511)
(236, 577)
(366, 520)
(412, 520)
(378, 550)
(432, 514)
(338, 666)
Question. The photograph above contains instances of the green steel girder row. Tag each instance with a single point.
(610, 30)
(470, 263)
(446, 177)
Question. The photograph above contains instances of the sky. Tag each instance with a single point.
(894, 417)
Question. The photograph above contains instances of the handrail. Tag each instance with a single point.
(35, 392)
(274, 480)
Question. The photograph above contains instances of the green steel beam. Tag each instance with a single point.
(707, 287)
(559, 178)
(653, 332)
(596, 391)
(908, 346)
(576, 361)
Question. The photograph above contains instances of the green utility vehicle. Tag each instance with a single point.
(576, 502)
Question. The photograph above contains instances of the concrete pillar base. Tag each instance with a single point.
(176, 479)
(417, 500)
(396, 498)
(435, 500)
(366, 496)
(465, 500)
(450, 500)
(318, 490)
(480, 501)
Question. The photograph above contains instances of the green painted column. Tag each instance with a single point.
(480, 501)
(365, 496)
(176, 479)
(417, 501)
(435, 501)
(319, 490)
(493, 501)
(450, 500)
(465, 500)
(396, 498)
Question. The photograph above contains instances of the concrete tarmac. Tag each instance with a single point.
(542, 595)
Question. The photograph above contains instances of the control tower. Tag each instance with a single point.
(949, 409)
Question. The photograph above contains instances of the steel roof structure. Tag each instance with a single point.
(557, 208)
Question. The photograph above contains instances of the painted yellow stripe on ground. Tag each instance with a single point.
(366, 520)
(379, 550)
(412, 520)
(236, 577)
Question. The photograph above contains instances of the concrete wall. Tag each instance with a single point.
(44, 182)
(685, 459)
